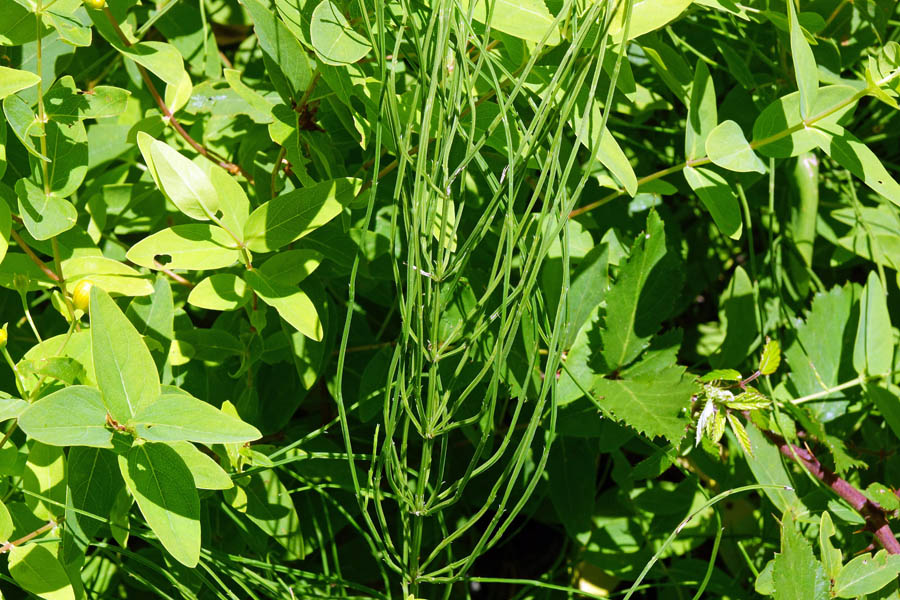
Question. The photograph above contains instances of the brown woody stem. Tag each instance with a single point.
(43, 528)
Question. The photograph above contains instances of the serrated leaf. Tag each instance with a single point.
(641, 297)
(740, 433)
(718, 198)
(73, 416)
(164, 489)
(125, 371)
(832, 558)
(866, 574)
(797, 574)
(727, 147)
(873, 352)
(706, 415)
(717, 428)
(647, 406)
(180, 417)
(771, 358)
(721, 375)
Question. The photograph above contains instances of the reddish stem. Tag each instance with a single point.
(874, 515)
(43, 528)
(34, 257)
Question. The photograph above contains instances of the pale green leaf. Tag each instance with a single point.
(771, 357)
(740, 433)
(195, 246)
(38, 571)
(292, 304)
(179, 417)
(208, 475)
(222, 291)
(335, 42)
(286, 62)
(6, 522)
(160, 58)
(111, 275)
(646, 16)
(866, 574)
(702, 113)
(291, 216)
(526, 19)
(805, 69)
(290, 267)
(832, 558)
(45, 478)
(182, 181)
(73, 416)
(721, 375)
(233, 201)
(65, 103)
(727, 147)
(873, 352)
(67, 151)
(163, 487)
(14, 80)
(45, 215)
(126, 373)
(718, 198)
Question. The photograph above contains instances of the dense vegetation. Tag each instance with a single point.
(449, 299)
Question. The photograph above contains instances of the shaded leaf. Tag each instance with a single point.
(177, 417)
(718, 198)
(797, 574)
(38, 571)
(728, 148)
(195, 246)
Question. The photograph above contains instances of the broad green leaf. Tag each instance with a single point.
(13, 80)
(163, 487)
(45, 215)
(291, 216)
(111, 275)
(73, 416)
(859, 159)
(94, 481)
(6, 522)
(160, 58)
(641, 297)
(67, 151)
(779, 131)
(70, 29)
(11, 408)
(154, 316)
(208, 475)
(646, 16)
(66, 104)
(739, 310)
(888, 402)
(648, 405)
(179, 417)
(702, 113)
(222, 291)
(718, 198)
(269, 506)
(873, 353)
(38, 571)
(195, 246)
(285, 59)
(573, 483)
(798, 575)
(832, 558)
(126, 373)
(727, 147)
(771, 358)
(17, 26)
(23, 123)
(866, 574)
(526, 19)
(291, 266)
(177, 96)
(805, 69)
(262, 107)
(335, 42)
(292, 304)
(233, 201)
(182, 181)
(45, 478)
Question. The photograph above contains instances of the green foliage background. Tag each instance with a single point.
(449, 298)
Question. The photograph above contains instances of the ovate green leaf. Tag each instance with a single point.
(94, 481)
(182, 181)
(727, 147)
(13, 80)
(866, 574)
(702, 113)
(526, 19)
(718, 198)
(859, 159)
(163, 487)
(44, 215)
(291, 216)
(38, 571)
(873, 353)
(195, 246)
(177, 417)
(771, 358)
(208, 475)
(292, 304)
(222, 291)
(73, 416)
(335, 42)
(646, 16)
(126, 373)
